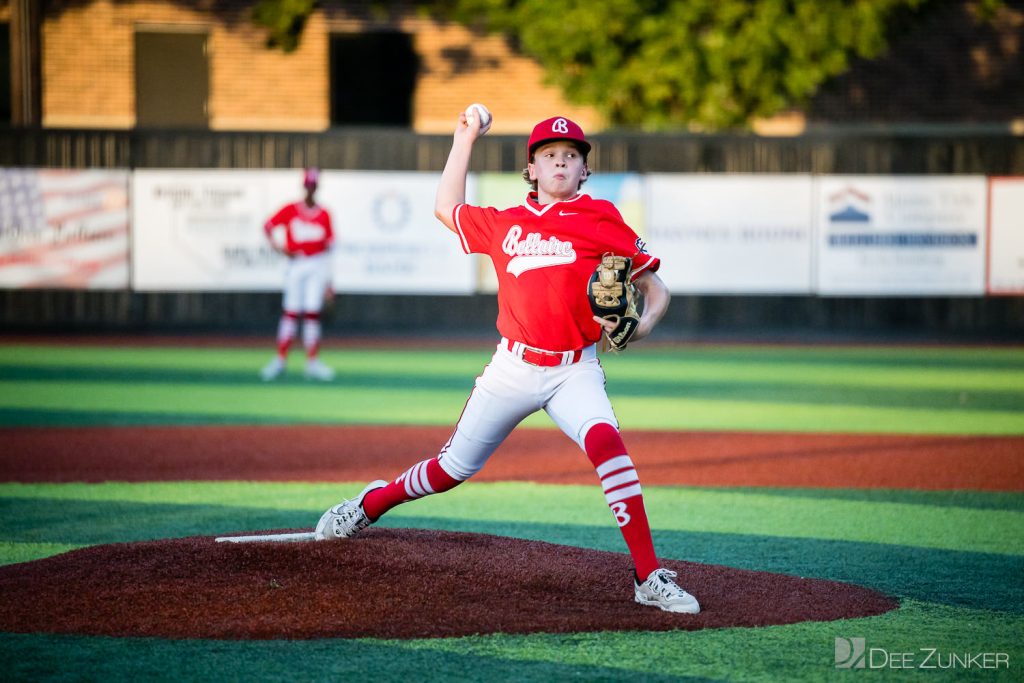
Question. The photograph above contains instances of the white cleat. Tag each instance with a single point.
(659, 590)
(346, 519)
(318, 371)
(272, 370)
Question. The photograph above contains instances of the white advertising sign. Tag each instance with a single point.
(1006, 236)
(731, 233)
(389, 241)
(203, 230)
(901, 235)
(63, 229)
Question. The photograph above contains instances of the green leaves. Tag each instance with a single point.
(702, 64)
(284, 20)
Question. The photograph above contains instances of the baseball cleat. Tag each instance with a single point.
(346, 519)
(272, 370)
(317, 370)
(659, 590)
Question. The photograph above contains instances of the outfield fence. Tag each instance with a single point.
(961, 152)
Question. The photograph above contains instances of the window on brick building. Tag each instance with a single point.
(172, 80)
(373, 76)
(5, 74)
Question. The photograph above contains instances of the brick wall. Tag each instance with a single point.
(88, 68)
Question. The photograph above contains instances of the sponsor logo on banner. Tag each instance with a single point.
(391, 211)
(852, 208)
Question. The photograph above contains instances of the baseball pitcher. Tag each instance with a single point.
(568, 269)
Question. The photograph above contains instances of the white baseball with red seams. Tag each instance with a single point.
(477, 109)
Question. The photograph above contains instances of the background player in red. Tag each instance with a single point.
(544, 253)
(302, 232)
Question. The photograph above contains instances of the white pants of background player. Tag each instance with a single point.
(305, 282)
(509, 390)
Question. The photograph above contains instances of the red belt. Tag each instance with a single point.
(542, 358)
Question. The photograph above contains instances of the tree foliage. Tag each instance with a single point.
(284, 20)
(701, 64)
(697, 64)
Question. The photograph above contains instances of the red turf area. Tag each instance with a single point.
(362, 453)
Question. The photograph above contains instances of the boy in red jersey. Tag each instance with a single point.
(305, 237)
(544, 252)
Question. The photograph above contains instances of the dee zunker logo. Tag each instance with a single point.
(854, 653)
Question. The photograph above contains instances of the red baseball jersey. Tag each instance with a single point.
(307, 229)
(544, 256)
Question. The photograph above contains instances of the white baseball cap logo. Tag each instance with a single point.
(560, 126)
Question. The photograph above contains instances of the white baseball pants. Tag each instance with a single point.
(509, 390)
(305, 281)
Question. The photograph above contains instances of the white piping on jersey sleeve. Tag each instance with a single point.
(639, 271)
(458, 228)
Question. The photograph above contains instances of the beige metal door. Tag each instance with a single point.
(172, 80)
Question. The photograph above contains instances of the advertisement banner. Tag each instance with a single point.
(725, 234)
(901, 235)
(1006, 236)
(203, 230)
(389, 241)
(63, 229)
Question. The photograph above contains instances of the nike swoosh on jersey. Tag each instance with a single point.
(520, 264)
(570, 213)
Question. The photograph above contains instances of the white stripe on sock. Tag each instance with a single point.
(627, 477)
(424, 481)
(416, 482)
(619, 462)
(622, 494)
(412, 488)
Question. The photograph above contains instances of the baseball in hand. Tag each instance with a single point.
(476, 109)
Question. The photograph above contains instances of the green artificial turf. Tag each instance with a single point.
(954, 600)
(883, 390)
(954, 558)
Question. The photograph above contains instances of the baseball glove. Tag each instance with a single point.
(613, 297)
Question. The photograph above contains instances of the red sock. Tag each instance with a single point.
(622, 491)
(422, 479)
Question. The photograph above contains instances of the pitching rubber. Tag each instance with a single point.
(269, 538)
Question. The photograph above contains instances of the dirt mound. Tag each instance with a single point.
(387, 583)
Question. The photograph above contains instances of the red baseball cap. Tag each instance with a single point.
(311, 177)
(557, 128)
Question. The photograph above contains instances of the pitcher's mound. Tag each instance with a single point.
(388, 583)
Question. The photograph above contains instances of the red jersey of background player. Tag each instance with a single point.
(307, 228)
(541, 254)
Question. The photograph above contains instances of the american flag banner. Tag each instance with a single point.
(63, 229)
